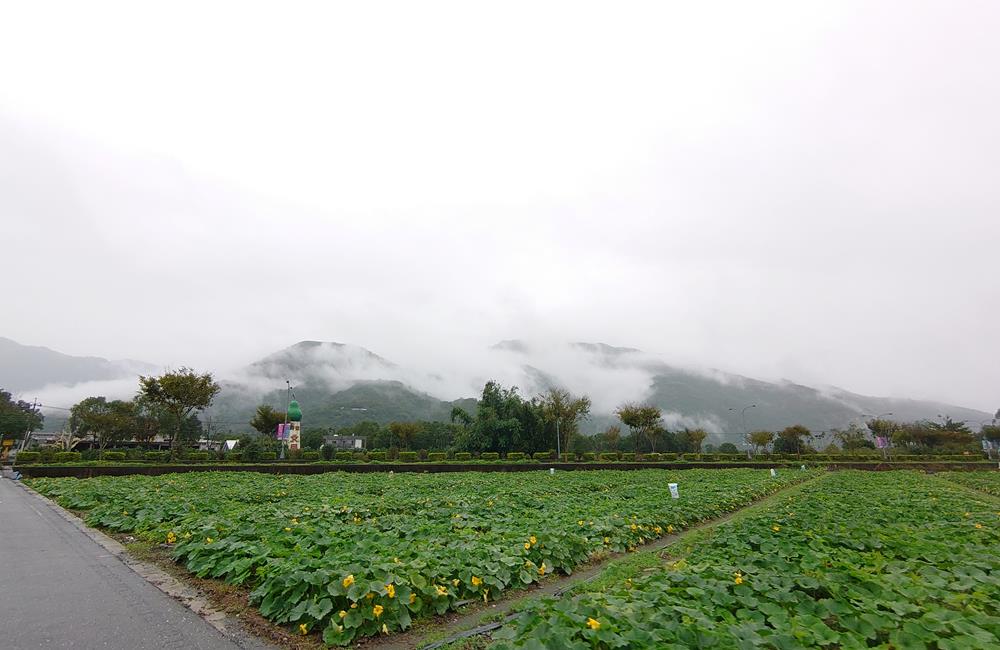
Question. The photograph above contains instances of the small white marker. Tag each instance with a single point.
(774, 472)
(674, 492)
(552, 470)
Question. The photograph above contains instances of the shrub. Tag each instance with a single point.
(377, 456)
(568, 457)
(542, 455)
(668, 456)
(67, 457)
(28, 457)
(408, 457)
(197, 456)
(310, 456)
(652, 457)
(609, 455)
(464, 455)
(157, 456)
(269, 456)
(114, 456)
(515, 456)
(486, 455)
(588, 456)
(344, 457)
(628, 456)
(234, 456)
(328, 452)
(90, 454)
(437, 456)
(294, 454)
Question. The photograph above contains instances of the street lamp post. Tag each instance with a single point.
(743, 419)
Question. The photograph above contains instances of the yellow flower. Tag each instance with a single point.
(391, 590)
(294, 520)
(370, 595)
(441, 591)
(541, 569)
(208, 539)
(634, 527)
(385, 628)
(171, 537)
(342, 613)
(476, 581)
(607, 540)
(670, 529)
(303, 629)
(377, 610)
(776, 528)
(348, 581)
(533, 539)
(354, 605)
(527, 546)
(125, 512)
(187, 535)
(979, 525)
(593, 624)
(455, 582)
(287, 529)
(738, 578)
(579, 523)
(966, 514)
(413, 598)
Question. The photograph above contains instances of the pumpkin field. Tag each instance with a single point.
(845, 560)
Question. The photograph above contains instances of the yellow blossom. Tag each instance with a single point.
(303, 629)
(979, 525)
(533, 539)
(171, 537)
(634, 527)
(607, 540)
(391, 590)
(348, 581)
(385, 628)
(579, 523)
(441, 591)
(208, 539)
(541, 569)
(776, 528)
(738, 578)
(342, 613)
(413, 598)
(593, 624)
(455, 582)
(354, 605)
(294, 520)
(187, 535)
(370, 595)
(527, 546)
(287, 529)
(670, 529)
(377, 610)
(476, 581)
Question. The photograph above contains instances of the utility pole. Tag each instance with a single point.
(27, 426)
(558, 449)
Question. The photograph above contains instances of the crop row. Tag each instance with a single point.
(356, 555)
(988, 482)
(854, 560)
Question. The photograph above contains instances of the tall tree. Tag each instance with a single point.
(181, 393)
(610, 437)
(792, 440)
(107, 423)
(404, 432)
(564, 412)
(691, 439)
(17, 417)
(266, 420)
(759, 440)
(643, 421)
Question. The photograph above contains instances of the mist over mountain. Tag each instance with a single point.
(340, 384)
(33, 368)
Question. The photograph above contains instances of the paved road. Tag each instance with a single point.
(60, 589)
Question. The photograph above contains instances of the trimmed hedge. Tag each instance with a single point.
(408, 457)
(28, 457)
(628, 457)
(310, 456)
(114, 456)
(437, 456)
(202, 456)
(653, 457)
(268, 456)
(377, 455)
(515, 455)
(67, 457)
(344, 456)
(589, 456)
(609, 455)
(543, 455)
(157, 456)
(486, 455)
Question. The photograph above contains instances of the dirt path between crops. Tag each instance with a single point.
(479, 619)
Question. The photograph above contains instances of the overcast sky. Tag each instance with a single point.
(802, 190)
